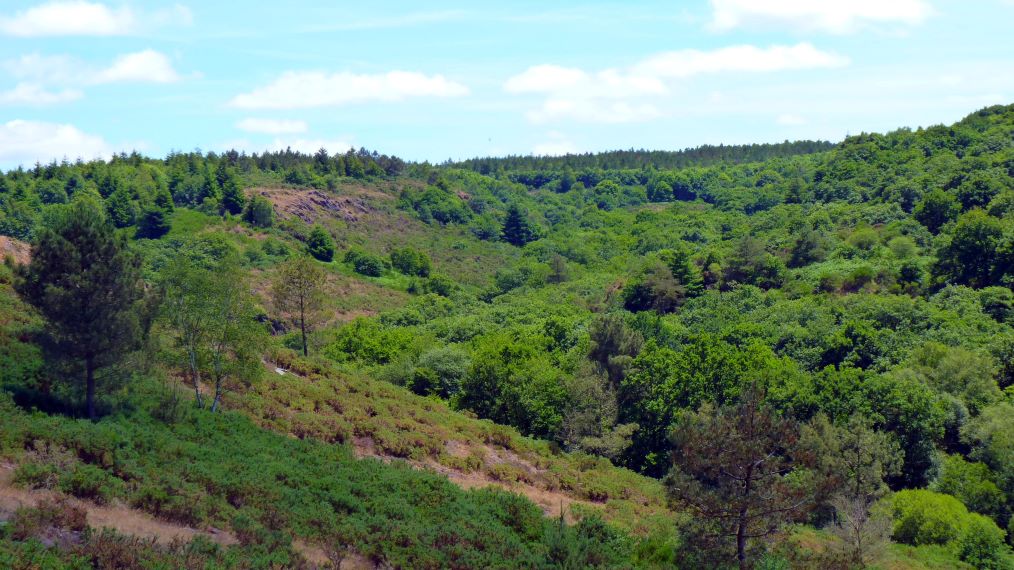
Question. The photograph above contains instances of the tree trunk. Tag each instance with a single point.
(218, 393)
(743, 522)
(216, 401)
(90, 388)
(741, 540)
(302, 327)
(195, 376)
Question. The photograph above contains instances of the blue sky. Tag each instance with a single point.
(438, 80)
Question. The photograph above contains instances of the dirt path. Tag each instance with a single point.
(125, 520)
(120, 518)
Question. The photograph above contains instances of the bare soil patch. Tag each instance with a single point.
(310, 204)
(118, 517)
(20, 251)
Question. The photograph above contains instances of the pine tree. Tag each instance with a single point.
(120, 209)
(233, 199)
(152, 224)
(86, 283)
(732, 470)
(517, 228)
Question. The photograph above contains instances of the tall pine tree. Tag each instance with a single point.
(517, 228)
(86, 283)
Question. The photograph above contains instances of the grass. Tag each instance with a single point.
(320, 402)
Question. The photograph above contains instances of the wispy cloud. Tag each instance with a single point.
(790, 120)
(84, 18)
(834, 16)
(32, 94)
(144, 66)
(306, 89)
(556, 144)
(628, 95)
(392, 21)
(272, 126)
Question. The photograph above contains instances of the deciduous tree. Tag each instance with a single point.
(298, 294)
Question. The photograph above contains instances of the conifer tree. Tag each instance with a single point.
(86, 283)
(517, 228)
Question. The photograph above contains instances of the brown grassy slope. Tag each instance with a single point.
(312, 399)
(366, 216)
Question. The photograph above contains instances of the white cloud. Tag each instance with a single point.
(60, 69)
(75, 18)
(84, 18)
(24, 142)
(742, 58)
(835, 16)
(143, 66)
(272, 126)
(593, 111)
(790, 120)
(304, 89)
(146, 66)
(557, 145)
(608, 83)
(627, 95)
(34, 94)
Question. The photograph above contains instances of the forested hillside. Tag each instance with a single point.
(798, 355)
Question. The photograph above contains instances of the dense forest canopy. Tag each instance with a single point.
(788, 355)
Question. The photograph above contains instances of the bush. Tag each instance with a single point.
(364, 263)
(90, 482)
(441, 371)
(440, 285)
(410, 261)
(259, 213)
(320, 245)
(925, 517)
(982, 546)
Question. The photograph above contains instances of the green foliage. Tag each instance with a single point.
(518, 229)
(972, 484)
(410, 261)
(936, 209)
(320, 245)
(86, 283)
(259, 213)
(365, 263)
(925, 517)
(975, 254)
(153, 223)
(510, 381)
(233, 198)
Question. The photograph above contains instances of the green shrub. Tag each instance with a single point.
(925, 517)
(410, 261)
(320, 245)
(365, 263)
(259, 213)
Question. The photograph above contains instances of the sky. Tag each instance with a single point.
(442, 80)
